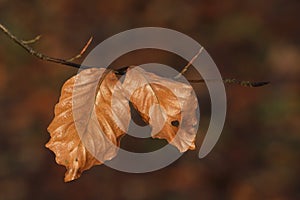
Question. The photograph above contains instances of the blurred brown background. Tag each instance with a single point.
(257, 156)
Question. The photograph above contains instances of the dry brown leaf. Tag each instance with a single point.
(161, 100)
(101, 111)
(95, 119)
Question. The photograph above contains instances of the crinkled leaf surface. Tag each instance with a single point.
(168, 106)
(93, 113)
(95, 135)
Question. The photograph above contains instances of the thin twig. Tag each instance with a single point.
(189, 64)
(24, 44)
(33, 40)
(37, 54)
(82, 51)
(227, 80)
(235, 81)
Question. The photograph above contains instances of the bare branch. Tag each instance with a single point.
(234, 81)
(35, 53)
(227, 80)
(24, 44)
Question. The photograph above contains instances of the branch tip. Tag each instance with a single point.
(82, 51)
(32, 41)
(189, 64)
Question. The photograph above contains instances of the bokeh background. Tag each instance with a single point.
(257, 156)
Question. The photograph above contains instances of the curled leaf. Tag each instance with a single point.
(86, 130)
(168, 106)
(93, 113)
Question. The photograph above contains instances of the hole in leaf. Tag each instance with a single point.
(175, 123)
